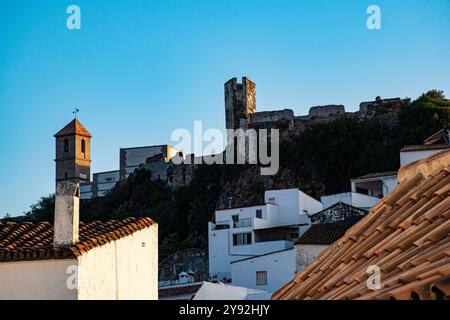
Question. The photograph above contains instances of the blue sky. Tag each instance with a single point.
(137, 70)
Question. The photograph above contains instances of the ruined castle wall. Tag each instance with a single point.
(268, 116)
(326, 111)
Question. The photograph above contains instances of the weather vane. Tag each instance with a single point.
(75, 112)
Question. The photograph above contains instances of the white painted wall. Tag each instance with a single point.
(355, 199)
(220, 291)
(259, 248)
(292, 206)
(280, 267)
(36, 280)
(306, 253)
(288, 206)
(411, 156)
(219, 253)
(243, 213)
(389, 184)
(123, 269)
(308, 205)
(283, 208)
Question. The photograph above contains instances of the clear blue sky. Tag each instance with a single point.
(139, 69)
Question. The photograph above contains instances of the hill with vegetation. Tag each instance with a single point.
(321, 160)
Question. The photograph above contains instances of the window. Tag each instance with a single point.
(259, 213)
(83, 146)
(235, 219)
(66, 145)
(261, 278)
(65, 175)
(240, 239)
(272, 200)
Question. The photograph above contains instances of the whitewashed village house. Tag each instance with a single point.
(367, 190)
(436, 143)
(72, 260)
(246, 232)
(275, 269)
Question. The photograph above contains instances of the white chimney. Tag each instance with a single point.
(67, 213)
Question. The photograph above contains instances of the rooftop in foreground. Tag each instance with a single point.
(407, 235)
(34, 241)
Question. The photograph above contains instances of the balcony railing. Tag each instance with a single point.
(220, 225)
(242, 223)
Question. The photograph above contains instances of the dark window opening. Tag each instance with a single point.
(66, 175)
(235, 219)
(261, 278)
(240, 239)
(259, 213)
(362, 191)
(66, 145)
(83, 146)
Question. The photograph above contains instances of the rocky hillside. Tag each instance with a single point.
(320, 160)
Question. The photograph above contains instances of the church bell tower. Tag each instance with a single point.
(73, 153)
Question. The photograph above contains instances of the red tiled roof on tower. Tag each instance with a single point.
(74, 128)
(407, 235)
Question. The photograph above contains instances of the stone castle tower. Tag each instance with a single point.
(73, 153)
(240, 102)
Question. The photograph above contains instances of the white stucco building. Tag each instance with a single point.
(245, 232)
(366, 190)
(102, 183)
(272, 270)
(265, 272)
(154, 158)
(71, 260)
(434, 144)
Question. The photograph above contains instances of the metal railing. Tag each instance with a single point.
(222, 225)
(242, 223)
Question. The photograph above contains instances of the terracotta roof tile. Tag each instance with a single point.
(377, 175)
(324, 233)
(407, 235)
(30, 241)
(422, 147)
(74, 127)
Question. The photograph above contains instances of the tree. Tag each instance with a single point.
(43, 210)
(423, 117)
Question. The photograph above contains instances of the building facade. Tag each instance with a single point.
(245, 232)
(366, 190)
(272, 270)
(69, 260)
(432, 145)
